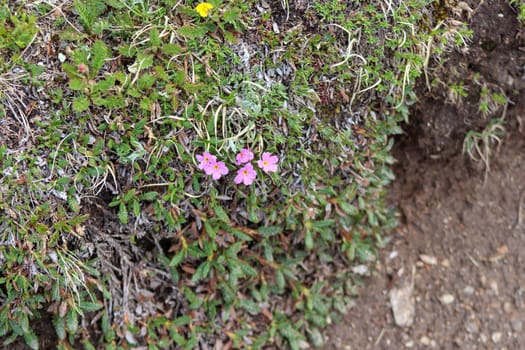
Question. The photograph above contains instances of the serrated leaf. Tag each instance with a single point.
(177, 258)
(316, 338)
(279, 276)
(100, 53)
(4, 328)
(250, 306)
(241, 235)
(154, 37)
(193, 32)
(182, 321)
(87, 345)
(31, 340)
(149, 196)
(73, 204)
(348, 208)
(308, 240)
(72, 321)
(129, 195)
(89, 306)
(177, 338)
(15, 327)
(248, 270)
(372, 218)
(142, 62)
(24, 323)
(81, 104)
(123, 213)
(171, 49)
(115, 4)
(136, 207)
(202, 271)
(60, 327)
(269, 231)
(210, 230)
(221, 214)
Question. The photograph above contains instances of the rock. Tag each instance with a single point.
(482, 338)
(447, 299)
(507, 307)
(424, 341)
(469, 290)
(403, 306)
(472, 327)
(517, 325)
(428, 259)
(496, 337)
(409, 344)
(360, 269)
(303, 344)
(494, 287)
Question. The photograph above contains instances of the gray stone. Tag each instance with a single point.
(403, 306)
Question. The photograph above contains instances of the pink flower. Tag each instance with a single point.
(216, 170)
(268, 162)
(82, 68)
(206, 160)
(244, 156)
(246, 175)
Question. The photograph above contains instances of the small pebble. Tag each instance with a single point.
(360, 269)
(409, 344)
(393, 255)
(424, 340)
(447, 299)
(494, 286)
(507, 307)
(472, 327)
(517, 325)
(482, 338)
(428, 259)
(445, 263)
(496, 337)
(469, 290)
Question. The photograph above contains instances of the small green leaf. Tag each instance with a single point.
(81, 104)
(72, 321)
(60, 327)
(193, 32)
(202, 271)
(171, 49)
(123, 213)
(88, 306)
(129, 195)
(182, 321)
(31, 340)
(315, 337)
(269, 231)
(177, 258)
(100, 53)
(250, 306)
(248, 270)
(221, 214)
(308, 240)
(210, 230)
(154, 37)
(149, 196)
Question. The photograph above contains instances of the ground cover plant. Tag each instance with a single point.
(178, 174)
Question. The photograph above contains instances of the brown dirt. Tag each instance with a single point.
(474, 227)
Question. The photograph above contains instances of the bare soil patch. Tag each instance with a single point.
(461, 243)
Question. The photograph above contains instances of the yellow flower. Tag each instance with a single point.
(203, 8)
